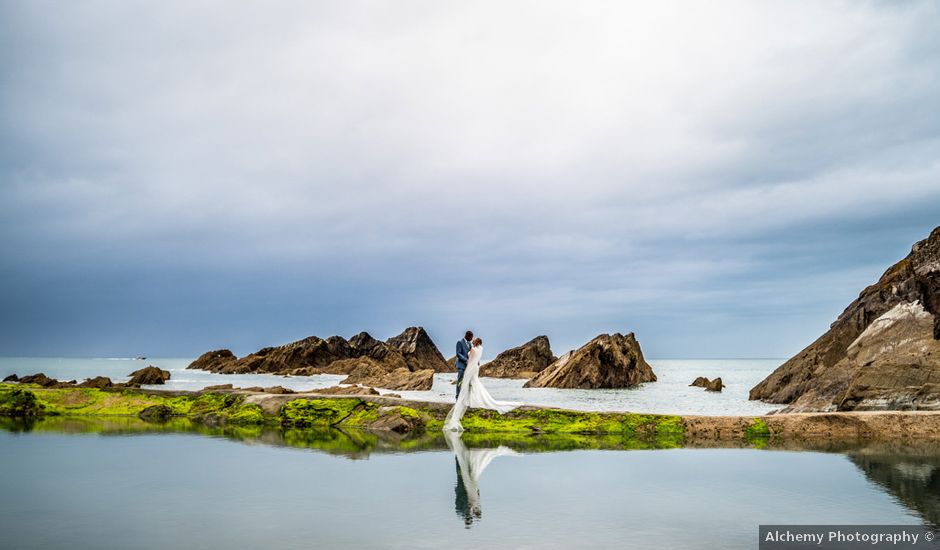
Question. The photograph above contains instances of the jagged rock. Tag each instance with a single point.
(715, 385)
(218, 387)
(817, 377)
(214, 361)
(97, 382)
(156, 413)
(11, 378)
(607, 361)
(524, 361)
(372, 374)
(452, 363)
(346, 390)
(148, 375)
(709, 385)
(413, 349)
(418, 350)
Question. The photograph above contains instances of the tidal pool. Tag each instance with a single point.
(122, 483)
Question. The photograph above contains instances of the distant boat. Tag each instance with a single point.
(141, 358)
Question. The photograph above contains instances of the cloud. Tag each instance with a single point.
(535, 167)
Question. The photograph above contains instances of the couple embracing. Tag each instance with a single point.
(470, 389)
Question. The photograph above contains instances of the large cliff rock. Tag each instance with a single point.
(413, 350)
(819, 377)
(607, 361)
(524, 361)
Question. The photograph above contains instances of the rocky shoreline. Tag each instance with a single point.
(385, 414)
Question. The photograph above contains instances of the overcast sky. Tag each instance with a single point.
(721, 178)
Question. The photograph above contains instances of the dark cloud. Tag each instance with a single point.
(180, 176)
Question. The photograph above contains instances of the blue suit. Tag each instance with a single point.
(463, 352)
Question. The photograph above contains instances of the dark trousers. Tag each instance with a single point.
(459, 379)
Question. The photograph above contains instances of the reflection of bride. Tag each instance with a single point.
(473, 393)
(470, 466)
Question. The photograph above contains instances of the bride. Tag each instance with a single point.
(473, 393)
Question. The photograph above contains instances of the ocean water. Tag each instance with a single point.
(87, 484)
(670, 394)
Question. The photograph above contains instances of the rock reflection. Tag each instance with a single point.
(911, 475)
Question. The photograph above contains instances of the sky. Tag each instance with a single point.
(721, 178)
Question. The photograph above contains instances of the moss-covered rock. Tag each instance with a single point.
(20, 403)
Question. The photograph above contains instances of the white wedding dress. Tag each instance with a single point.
(471, 464)
(473, 394)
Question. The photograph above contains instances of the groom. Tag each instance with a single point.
(463, 351)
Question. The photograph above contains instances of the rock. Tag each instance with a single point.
(96, 382)
(39, 379)
(148, 375)
(347, 390)
(715, 385)
(391, 419)
(412, 349)
(218, 387)
(280, 390)
(894, 364)
(419, 350)
(11, 378)
(214, 361)
(524, 361)
(709, 385)
(257, 389)
(816, 378)
(452, 363)
(156, 413)
(21, 403)
(347, 366)
(373, 374)
(607, 361)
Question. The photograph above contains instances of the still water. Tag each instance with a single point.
(81, 483)
(670, 394)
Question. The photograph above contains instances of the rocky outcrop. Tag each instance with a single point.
(893, 365)
(40, 379)
(709, 385)
(819, 377)
(524, 361)
(372, 373)
(412, 350)
(148, 375)
(607, 361)
(214, 361)
(418, 350)
(97, 382)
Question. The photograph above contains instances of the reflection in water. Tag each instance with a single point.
(911, 476)
(470, 465)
